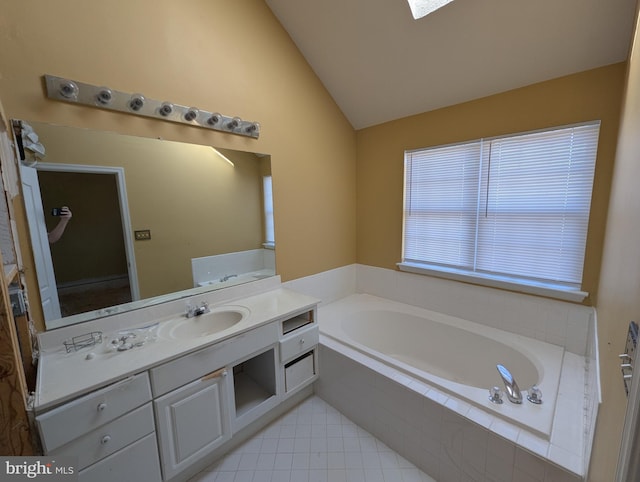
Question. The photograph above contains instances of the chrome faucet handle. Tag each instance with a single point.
(191, 311)
(197, 310)
(535, 395)
(495, 395)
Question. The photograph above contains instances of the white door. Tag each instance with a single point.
(192, 421)
(40, 243)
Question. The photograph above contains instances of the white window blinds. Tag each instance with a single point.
(514, 206)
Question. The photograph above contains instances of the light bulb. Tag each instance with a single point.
(234, 123)
(68, 89)
(191, 114)
(104, 96)
(253, 127)
(165, 109)
(213, 119)
(136, 102)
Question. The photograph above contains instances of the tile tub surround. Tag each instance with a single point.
(561, 323)
(449, 439)
(557, 322)
(454, 355)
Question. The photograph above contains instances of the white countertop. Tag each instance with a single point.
(63, 376)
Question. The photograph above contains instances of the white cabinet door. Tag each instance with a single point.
(192, 421)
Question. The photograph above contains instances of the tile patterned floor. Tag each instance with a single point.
(312, 443)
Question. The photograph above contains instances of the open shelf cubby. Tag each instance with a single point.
(254, 382)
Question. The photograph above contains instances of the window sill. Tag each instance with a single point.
(540, 289)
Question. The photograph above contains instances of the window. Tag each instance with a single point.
(514, 208)
(269, 231)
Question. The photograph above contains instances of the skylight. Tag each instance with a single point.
(422, 8)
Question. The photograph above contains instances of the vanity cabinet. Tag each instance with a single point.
(192, 421)
(298, 350)
(102, 428)
(166, 423)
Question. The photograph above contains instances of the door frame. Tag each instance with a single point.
(124, 210)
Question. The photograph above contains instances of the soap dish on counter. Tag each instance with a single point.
(83, 341)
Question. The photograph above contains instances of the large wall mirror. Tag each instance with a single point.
(152, 220)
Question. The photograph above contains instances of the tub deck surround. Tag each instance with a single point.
(457, 356)
(445, 437)
(63, 376)
(392, 398)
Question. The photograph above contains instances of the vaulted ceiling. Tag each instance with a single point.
(380, 64)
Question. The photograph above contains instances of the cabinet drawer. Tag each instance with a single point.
(110, 438)
(299, 371)
(76, 418)
(297, 343)
(176, 373)
(138, 462)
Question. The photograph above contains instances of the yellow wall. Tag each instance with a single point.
(226, 56)
(235, 58)
(619, 293)
(581, 97)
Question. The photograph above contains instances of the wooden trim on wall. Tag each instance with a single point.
(15, 430)
(16, 433)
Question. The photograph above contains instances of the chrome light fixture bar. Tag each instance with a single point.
(66, 90)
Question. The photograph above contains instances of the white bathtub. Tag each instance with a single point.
(456, 356)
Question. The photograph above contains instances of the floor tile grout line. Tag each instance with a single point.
(309, 461)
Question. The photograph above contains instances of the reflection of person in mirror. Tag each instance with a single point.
(56, 233)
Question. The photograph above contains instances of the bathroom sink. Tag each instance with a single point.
(203, 325)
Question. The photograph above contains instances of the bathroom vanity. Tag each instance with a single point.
(181, 399)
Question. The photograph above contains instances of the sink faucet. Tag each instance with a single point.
(513, 391)
(197, 310)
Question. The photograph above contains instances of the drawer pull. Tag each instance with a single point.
(302, 341)
(105, 440)
(221, 372)
(101, 407)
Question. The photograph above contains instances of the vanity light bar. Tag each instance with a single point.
(76, 92)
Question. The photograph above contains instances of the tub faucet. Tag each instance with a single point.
(513, 392)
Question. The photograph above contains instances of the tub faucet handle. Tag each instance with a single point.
(495, 395)
(535, 395)
(513, 391)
